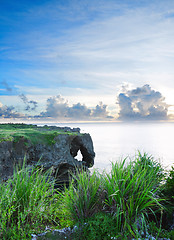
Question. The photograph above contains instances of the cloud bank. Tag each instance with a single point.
(9, 112)
(58, 107)
(138, 104)
(142, 103)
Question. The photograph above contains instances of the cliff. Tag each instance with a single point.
(47, 146)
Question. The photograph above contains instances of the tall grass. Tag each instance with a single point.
(118, 204)
(128, 195)
(27, 202)
(82, 199)
(132, 192)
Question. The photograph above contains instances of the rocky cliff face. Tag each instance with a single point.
(60, 155)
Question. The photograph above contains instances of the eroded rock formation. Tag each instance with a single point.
(61, 155)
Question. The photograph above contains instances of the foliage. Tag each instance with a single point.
(27, 202)
(101, 226)
(133, 189)
(147, 162)
(168, 187)
(167, 192)
(157, 232)
(125, 198)
(82, 199)
(116, 205)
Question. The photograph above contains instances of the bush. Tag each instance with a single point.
(147, 162)
(167, 193)
(101, 226)
(168, 187)
(158, 232)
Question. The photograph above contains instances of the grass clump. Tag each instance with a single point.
(125, 200)
(27, 204)
(132, 191)
(129, 202)
(81, 200)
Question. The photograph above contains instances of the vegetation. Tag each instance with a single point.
(32, 133)
(134, 200)
(81, 200)
(167, 192)
(27, 203)
(128, 203)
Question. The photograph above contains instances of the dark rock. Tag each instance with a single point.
(85, 146)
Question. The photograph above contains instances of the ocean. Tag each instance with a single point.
(114, 141)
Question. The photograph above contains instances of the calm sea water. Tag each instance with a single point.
(114, 141)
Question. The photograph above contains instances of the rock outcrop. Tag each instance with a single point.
(60, 154)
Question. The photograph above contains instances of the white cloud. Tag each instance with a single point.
(142, 103)
(9, 112)
(59, 108)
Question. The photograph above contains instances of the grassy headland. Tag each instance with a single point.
(33, 133)
(132, 201)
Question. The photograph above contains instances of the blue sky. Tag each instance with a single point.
(87, 59)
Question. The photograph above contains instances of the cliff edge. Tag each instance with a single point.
(47, 146)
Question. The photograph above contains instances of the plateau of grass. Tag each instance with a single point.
(32, 133)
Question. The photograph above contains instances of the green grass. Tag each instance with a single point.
(128, 196)
(132, 190)
(129, 202)
(27, 204)
(81, 200)
(101, 226)
(32, 133)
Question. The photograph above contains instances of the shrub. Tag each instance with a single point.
(159, 232)
(168, 187)
(101, 226)
(167, 192)
(147, 162)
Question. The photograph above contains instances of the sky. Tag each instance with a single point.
(86, 60)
